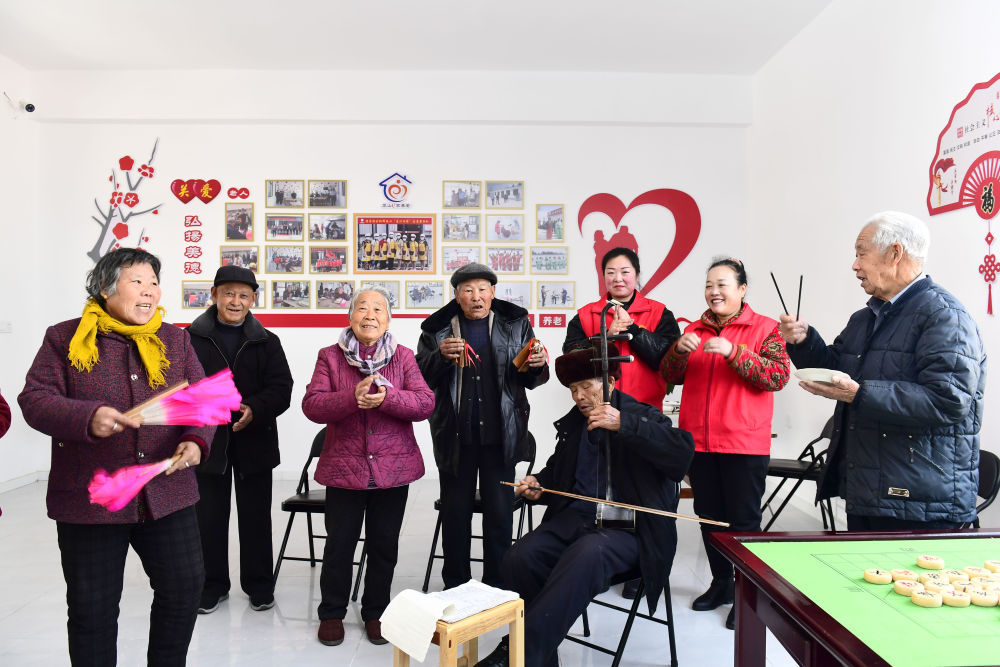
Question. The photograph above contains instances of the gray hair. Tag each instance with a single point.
(908, 231)
(379, 290)
(105, 274)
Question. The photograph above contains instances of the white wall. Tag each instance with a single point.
(846, 120)
(567, 137)
(22, 454)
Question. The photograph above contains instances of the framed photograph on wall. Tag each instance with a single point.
(505, 259)
(515, 291)
(328, 259)
(455, 257)
(550, 259)
(283, 227)
(334, 293)
(460, 227)
(549, 223)
(284, 193)
(196, 294)
(245, 256)
(424, 294)
(260, 296)
(461, 194)
(394, 243)
(556, 294)
(239, 221)
(284, 258)
(289, 294)
(506, 228)
(390, 286)
(504, 194)
(328, 194)
(327, 226)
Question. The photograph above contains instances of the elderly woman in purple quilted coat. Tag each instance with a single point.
(368, 390)
(88, 372)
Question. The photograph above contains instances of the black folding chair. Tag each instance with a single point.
(312, 502)
(520, 506)
(809, 466)
(633, 613)
(989, 483)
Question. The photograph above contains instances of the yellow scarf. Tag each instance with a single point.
(83, 352)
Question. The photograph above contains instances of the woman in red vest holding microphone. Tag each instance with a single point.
(731, 361)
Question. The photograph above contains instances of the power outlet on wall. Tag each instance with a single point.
(6, 326)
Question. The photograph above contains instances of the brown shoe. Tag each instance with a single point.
(331, 632)
(373, 628)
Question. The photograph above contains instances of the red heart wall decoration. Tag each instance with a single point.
(182, 190)
(686, 216)
(206, 191)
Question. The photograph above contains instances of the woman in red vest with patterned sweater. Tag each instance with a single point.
(651, 324)
(731, 362)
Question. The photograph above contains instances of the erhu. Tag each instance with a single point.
(610, 516)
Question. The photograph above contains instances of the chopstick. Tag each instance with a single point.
(778, 289)
(798, 306)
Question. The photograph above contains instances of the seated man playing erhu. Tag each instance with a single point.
(569, 558)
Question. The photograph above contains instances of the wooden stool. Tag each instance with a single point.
(467, 631)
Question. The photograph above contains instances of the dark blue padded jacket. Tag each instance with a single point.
(907, 447)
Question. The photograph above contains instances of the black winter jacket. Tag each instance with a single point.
(649, 457)
(263, 379)
(908, 445)
(510, 331)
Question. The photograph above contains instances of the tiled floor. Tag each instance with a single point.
(33, 611)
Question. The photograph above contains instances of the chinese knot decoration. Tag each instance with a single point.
(121, 207)
(989, 268)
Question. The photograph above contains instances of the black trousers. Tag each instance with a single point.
(858, 522)
(253, 507)
(458, 499)
(727, 487)
(381, 510)
(93, 562)
(557, 568)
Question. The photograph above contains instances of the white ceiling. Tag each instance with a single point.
(663, 36)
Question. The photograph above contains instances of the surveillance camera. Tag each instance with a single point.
(29, 107)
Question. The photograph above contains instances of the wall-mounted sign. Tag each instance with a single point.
(965, 170)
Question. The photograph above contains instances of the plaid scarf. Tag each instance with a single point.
(385, 347)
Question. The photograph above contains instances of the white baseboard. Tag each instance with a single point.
(24, 480)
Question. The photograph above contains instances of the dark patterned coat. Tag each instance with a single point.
(377, 442)
(60, 401)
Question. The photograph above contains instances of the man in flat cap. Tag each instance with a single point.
(480, 421)
(227, 335)
(568, 559)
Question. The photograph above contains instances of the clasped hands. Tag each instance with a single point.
(367, 401)
(689, 342)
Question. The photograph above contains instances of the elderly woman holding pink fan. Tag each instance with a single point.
(368, 390)
(87, 374)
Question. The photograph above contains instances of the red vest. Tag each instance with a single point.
(638, 380)
(723, 412)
